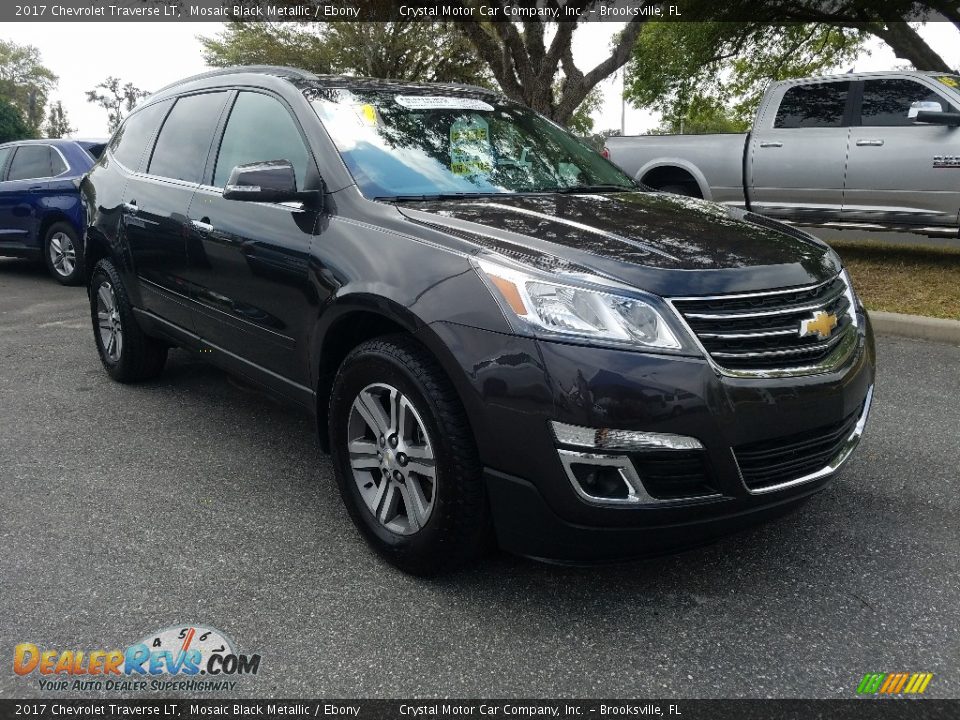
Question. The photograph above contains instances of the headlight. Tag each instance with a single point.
(851, 296)
(549, 308)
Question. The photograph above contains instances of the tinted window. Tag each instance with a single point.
(57, 165)
(260, 128)
(887, 102)
(135, 134)
(4, 154)
(30, 161)
(181, 149)
(805, 106)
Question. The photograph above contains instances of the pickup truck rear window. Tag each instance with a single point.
(819, 105)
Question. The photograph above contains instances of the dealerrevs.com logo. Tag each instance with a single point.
(198, 658)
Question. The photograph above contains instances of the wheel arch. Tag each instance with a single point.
(658, 173)
(354, 319)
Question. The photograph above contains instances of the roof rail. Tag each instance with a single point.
(278, 70)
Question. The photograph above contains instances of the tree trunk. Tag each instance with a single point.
(907, 44)
(527, 71)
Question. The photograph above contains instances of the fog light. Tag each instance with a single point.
(607, 439)
(601, 481)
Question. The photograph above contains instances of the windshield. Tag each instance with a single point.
(397, 144)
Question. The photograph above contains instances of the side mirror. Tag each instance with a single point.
(269, 181)
(923, 106)
(938, 118)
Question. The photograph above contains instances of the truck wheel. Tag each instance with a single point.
(61, 250)
(405, 459)
(126, 352)
(682, 189)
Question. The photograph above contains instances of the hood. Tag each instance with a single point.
(666, 244)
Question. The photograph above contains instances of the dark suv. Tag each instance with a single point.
(500, 334)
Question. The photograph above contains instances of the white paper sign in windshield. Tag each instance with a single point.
(431, 102)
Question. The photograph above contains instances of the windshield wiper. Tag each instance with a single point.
(575, 189)
(435, 196)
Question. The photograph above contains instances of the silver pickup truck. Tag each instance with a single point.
(872, 151)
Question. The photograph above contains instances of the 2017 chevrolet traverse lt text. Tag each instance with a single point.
(500, 334)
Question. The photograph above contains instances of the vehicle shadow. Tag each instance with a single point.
(23, 268)
(808, 546)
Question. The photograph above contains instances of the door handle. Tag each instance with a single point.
(130, 208)
(869, 143)
(35, 188)
(773, 143)
(202, 226)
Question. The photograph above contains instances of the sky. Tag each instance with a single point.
(151, 55)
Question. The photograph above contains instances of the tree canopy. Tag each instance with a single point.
(57, 123)
(710, 76)
(426, 52)
(12, 124)
(25, 82)
(117, 98)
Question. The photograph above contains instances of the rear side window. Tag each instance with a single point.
(4, 154)
(31, 161)
(133, 136)
(813, 106)
(57, 165)
(886, 103)
(181, 149)
(260, 128)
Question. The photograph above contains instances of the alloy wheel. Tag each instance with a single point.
(63, 255)
(392, 458)
(108, 320)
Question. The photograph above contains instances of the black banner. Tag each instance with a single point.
(468, 10)
(433, 709)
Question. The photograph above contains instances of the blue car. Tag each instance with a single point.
(41, 215)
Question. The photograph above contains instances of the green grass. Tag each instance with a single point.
(912, 279)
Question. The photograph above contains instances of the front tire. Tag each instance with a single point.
(61, 250)
(127, 353)
(405, 459)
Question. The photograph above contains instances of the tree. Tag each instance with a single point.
(12, 124)
(116, 99)
(580, 122)
(888, 20)
(25, 82)
(425, 52)
(57, 123)
(700, 115)
(709, 77)
(543, 76)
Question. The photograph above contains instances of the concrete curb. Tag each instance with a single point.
(916, 326)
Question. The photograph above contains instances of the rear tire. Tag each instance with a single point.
(61, 252)
(405, 459)
(127, 353)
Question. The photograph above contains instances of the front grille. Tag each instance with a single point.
(762, 331)
(674, 475)
(772, 462)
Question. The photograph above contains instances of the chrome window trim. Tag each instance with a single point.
(637, 495)
(845, 452)
(43, 177)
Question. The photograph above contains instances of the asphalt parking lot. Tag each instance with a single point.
(195, 499)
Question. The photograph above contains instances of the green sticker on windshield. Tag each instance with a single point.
(470, 151)
(949, 81)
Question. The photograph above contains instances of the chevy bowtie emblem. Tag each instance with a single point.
(821, 324)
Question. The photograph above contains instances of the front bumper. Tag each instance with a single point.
(514, 387)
